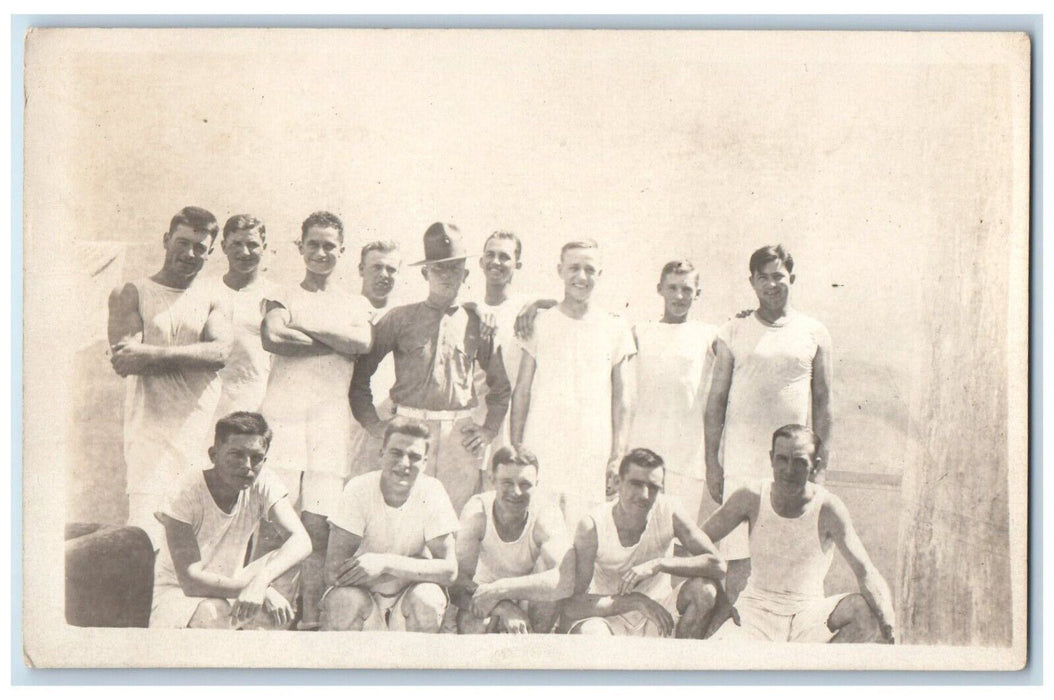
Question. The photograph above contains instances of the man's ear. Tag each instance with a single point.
(465, 276)
(165, 238)
(791, 278)
(212, 454)
(424, 271)
(518, 264)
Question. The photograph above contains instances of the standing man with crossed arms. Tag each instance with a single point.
(170, 336)
(438, 344)
(771, 368)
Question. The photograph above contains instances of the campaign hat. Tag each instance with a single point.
(442, 242)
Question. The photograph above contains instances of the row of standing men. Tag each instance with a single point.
(309, 355)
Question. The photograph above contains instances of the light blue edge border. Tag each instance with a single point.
(1033, 673)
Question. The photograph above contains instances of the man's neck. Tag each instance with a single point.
(224, 496)
(314, 282)
(393, 499)
(511, 523)
(240, 280)
(668, 318)
(790, 503)
(497, 294)
(574, 308)
(773, 315)
(441, 303)
(375, 302)
(628, 521)
(167, 279)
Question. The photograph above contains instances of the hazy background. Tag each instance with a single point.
(869, 161)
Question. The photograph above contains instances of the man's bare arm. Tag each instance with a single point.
(714, 419)
(294, 550)
(521, 398)
(195, 581)
(352, 336)
(835, 520)
(556, 580)
(704, 561)
(441, 568)
(132, 356)
(583, 604)
(822, 418)
(124, 324)
(277, 337)
(623, 398)
(469, 537)
(736, 509)
(341, 547)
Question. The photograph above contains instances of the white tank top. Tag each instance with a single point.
(788, 564)
(613, 560)
(500, 559)
(168, 416)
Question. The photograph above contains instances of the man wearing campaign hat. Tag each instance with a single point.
(438, 344)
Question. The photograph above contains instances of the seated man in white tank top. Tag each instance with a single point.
(794, 526)
(624, 561)
(513, 553)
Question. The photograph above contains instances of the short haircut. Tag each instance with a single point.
(793, 431)
(242, 423)
(678, 267)
(197, 219)
(583, 244)
(513, 455)
(507, 236)
(406, 426)
(244, 222)
(385, 246)
(322, 219)
(763, 256)
(641, 457)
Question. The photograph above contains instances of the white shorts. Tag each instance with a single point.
(313, 492)
(635, 624)
(756, 622)
(387, 613)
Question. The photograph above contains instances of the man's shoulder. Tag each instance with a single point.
(363, 483)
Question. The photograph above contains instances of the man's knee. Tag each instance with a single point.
(211, 613)
(423, 607)
(594, 626)
(854, 611)
(467, 623)
(345, 608)
(698, 593)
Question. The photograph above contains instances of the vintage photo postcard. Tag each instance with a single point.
(521, 349)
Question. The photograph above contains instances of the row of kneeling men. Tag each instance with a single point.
(398, 557)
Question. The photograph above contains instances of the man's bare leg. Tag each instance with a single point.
(423, 607)
(211, 614)
(853, 621)
(346, 609)
(695, 602)
(542, 616)
(467, 623)
(311, 582)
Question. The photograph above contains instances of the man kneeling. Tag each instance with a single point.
(391, 542)
(624, 554)
(200, 579)
(514, 555)
(795, 524)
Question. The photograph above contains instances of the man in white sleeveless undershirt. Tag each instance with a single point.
(624, 560)
(514, 554)
(771, 368)
(170, 337)
(795, 525)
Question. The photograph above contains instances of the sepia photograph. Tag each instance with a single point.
(526, 349)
